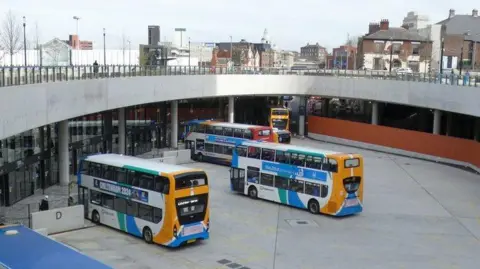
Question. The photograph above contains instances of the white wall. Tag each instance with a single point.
(59, 220)
(30, 106)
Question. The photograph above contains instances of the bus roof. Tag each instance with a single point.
(25, 248)
(233, 125)
(291, 148)
(138, 164)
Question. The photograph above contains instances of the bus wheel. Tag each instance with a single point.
(200, 157)
(313, 207)
(95, 217)
(252, 192)
(147, 235)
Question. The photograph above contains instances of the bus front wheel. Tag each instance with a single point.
(200, 157)
(313, 207)
(252, 192)
(95, 217)
(147, 235)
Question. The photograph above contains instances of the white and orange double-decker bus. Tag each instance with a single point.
(161, 203)
(317, 180)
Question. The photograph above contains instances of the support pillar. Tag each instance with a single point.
(107, 132)
(301, 116)
(122, 132)
(42, 170)
(231, 109)
(174, 124)
(449, 126)
(476, 135)
(437, 121)
(63, 153)
(163, 127)
(374, 113)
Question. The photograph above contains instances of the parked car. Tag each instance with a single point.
(403, 70)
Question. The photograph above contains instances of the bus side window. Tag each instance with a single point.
(254, 152)
(227, 131)
(162, 184)
(97, 170)
(132, 208)
(238, 133)
(247, 134)
(201, 128)
(298, 159)
(108, 173)
(281, 182)
(228, 150)
(317, 163)
(210, 129)
(329, 165)
(121, 175)
(282, 157)
(145, 181)
(309, 163)
(130, 177)
(218, 130)
(241, 151)
(268, 154)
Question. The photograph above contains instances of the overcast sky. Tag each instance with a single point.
(290, 24)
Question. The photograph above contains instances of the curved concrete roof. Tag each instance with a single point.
(29, 106)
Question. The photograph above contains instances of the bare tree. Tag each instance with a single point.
(54, 50)
(11, 35)
(352, 41)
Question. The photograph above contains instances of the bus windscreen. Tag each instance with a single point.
(190, 180)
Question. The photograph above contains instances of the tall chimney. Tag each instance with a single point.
(373, 28)
(451, 13)
(474, 13)
(384, 24)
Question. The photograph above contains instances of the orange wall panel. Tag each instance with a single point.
(437, 145)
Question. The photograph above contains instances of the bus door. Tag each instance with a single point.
(237, 177)
(189, 144)
(83, 199)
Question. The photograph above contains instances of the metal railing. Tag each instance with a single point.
(13, 76)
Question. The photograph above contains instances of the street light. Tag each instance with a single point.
(25, 39)
(104, 50)
(129, 52)
(391, 56)
(231, 51)
(189, 53)
(467, 33)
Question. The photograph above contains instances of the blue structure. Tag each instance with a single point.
(22, 248)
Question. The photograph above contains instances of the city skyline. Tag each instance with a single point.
(289, 26)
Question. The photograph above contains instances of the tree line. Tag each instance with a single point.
(10, 36)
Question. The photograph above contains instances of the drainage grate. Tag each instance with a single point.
(301, 223)
(234, 265)
(224, 261)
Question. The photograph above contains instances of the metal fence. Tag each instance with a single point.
(13, 76)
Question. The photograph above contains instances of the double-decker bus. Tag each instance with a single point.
(319, 181)
(161, 203)
(279, 118)
(214, 141)
(281, 136)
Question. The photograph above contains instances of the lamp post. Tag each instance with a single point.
(391, 56)
(129, 52)
(104, 50)
(467, 33)
(231, 51)
(189, 53)
(25, 39)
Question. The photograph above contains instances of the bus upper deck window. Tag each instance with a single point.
(193, 128)
(282, 157)
(238, 133)
(219, 130)
(201, 128)
(248, 134)
(228, 131)
(210, 130)
(241, 151)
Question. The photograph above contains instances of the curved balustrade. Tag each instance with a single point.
(13, 76)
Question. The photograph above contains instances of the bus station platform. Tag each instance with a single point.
(23, 248)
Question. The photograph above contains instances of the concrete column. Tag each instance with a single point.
(4, 151)
(476, 135)
(449, 124)
(231, 109)
(437, 121)
(374, 113)
(121, 131)
(107, 131)
(174, 124)
(301, 116)
(63, 153)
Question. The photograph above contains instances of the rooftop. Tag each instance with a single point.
(395, 33)
(460, 24)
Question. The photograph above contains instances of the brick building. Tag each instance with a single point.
(461, 31)
(343, 57)
(76, 43)
(385, 48)
(315, 53)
